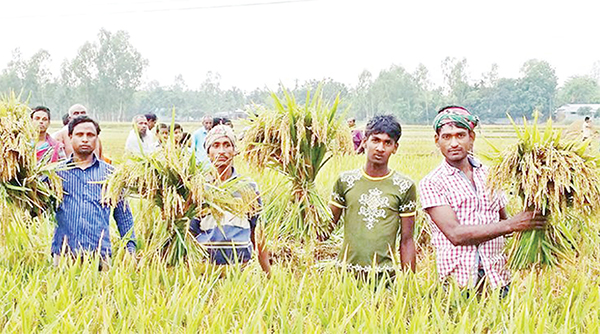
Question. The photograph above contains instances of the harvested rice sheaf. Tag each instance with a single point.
(25, 184)
(170, 179)
(556, 177)
(297, 140)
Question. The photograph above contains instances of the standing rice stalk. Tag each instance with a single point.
(25, 184)
(297, 141)
(170, 179)
(559, 179)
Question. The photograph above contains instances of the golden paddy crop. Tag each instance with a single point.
(143, 295)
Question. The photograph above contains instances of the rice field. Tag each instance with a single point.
(306, 293)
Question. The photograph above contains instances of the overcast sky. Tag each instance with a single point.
(253, 43)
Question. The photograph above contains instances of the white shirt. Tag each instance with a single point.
(586, 130)
(148, 143)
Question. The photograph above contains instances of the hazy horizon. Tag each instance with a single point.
(254, 43)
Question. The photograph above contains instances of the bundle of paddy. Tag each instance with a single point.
(297, 141)
(555, 177)
(25, 184)
(171, 180)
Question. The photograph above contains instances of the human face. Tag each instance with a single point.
(351, 123)
(208, 123)
(221, 152)
(163, 134)
(142, 125)
(178, 134)
(84, 139)
(455, 143)
(379, 147)
(40, 118)
(78, 113)
(151, 124)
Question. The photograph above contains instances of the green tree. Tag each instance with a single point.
(105, 74)
(537, 87)
(579, 89)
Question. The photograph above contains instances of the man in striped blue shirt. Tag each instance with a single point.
(83, 220)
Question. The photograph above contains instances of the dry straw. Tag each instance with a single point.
(553, 176)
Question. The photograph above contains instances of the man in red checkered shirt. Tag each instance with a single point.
(468, 221)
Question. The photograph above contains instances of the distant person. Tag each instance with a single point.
(357, 136)
(229, 239)
(139, 141)
(62, 135)
(378, 206)
(181, 138)
(47, 148)
(222, 121)
(65, 119)
(152, 119)
(198, 138)
(586, 128)
(162, 133)
(82, 220)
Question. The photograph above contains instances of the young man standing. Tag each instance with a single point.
(468, 221)
(376, 202)
(82, 218)
(199, 137)
(231, 239)
(47, 149)
(139, 140)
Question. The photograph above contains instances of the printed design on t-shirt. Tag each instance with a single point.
(408, 207)
(372, 205)
(336, 197)
(402, 183)
(351, 177)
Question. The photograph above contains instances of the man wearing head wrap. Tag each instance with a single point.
(231, 239)
(468, 221)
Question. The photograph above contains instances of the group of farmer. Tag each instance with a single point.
(378, 206)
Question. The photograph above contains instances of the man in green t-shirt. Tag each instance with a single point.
(376, 203)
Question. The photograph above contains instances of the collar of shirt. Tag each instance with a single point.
(95, 161)
(451, 170)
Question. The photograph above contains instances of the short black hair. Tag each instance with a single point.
(587, 118)
(387, 124)
(177, 126)
(40, 108)
(83, 119)
(66, 119)
(151, 117)
(161, 126)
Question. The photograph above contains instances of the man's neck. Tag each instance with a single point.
(463, 165)
(83, 161)
(225, 173)
(376, 170)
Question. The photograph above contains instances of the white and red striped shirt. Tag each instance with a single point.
(473, 205)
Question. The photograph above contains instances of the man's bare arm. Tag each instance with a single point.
(408, 254)
(460, 235)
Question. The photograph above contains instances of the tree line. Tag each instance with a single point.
(106, 75)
